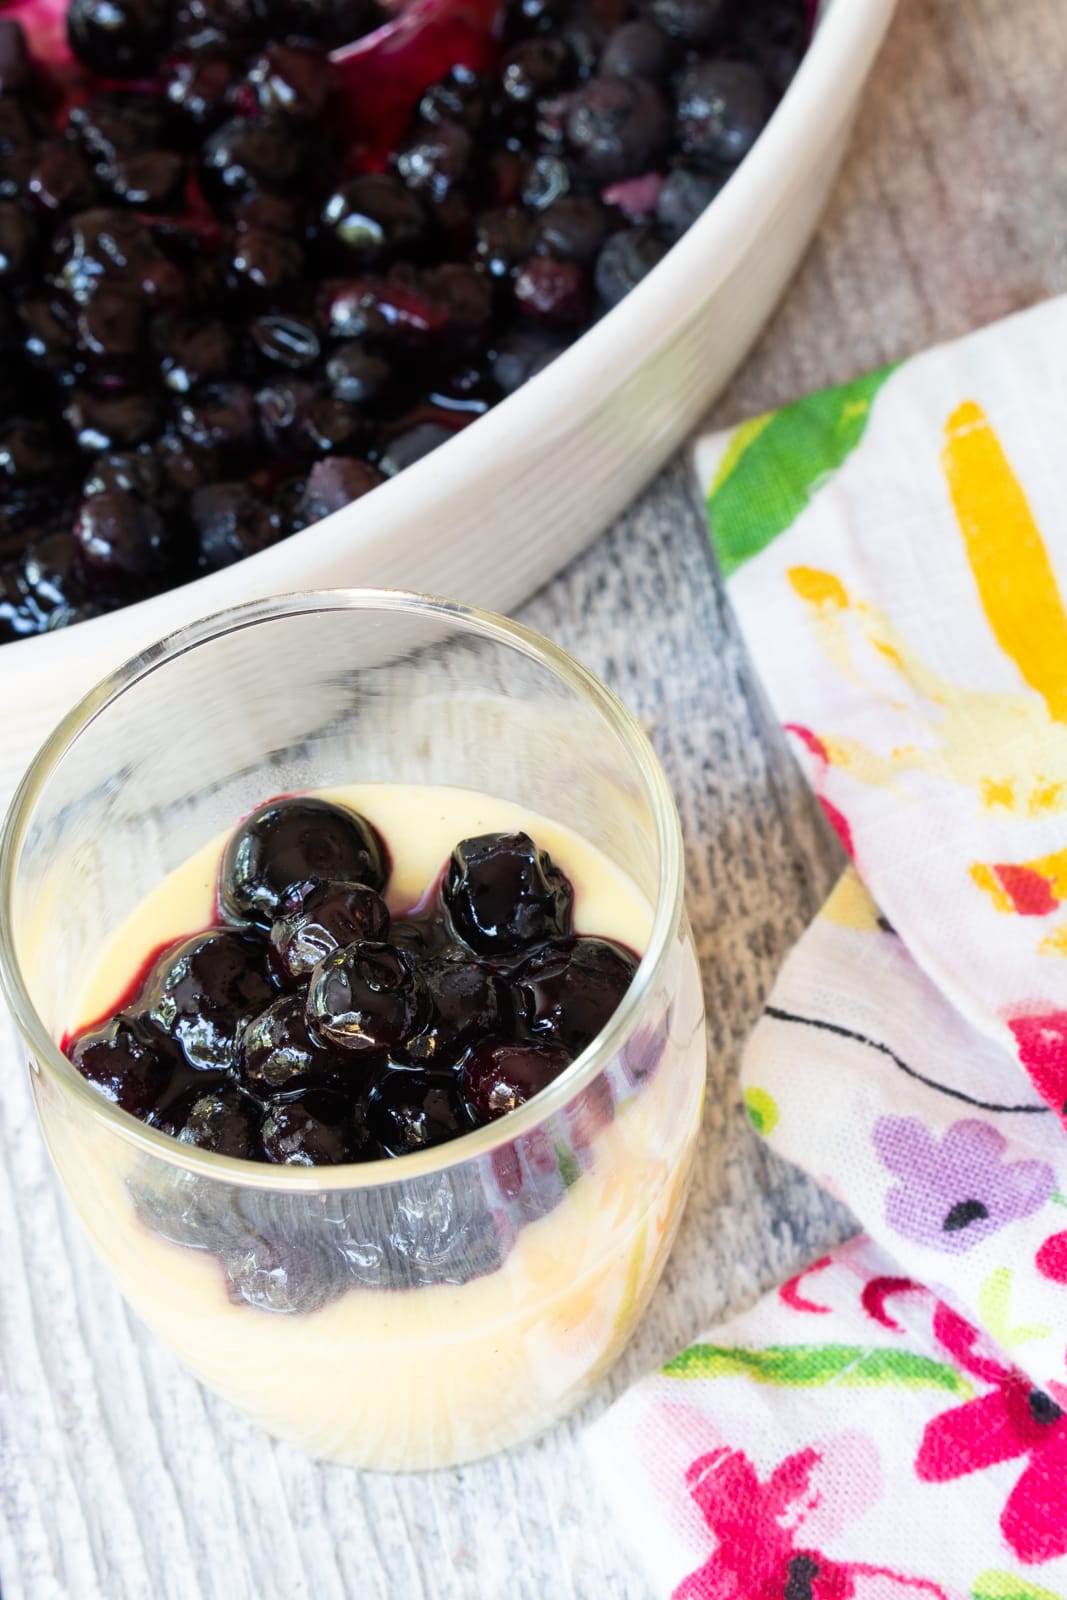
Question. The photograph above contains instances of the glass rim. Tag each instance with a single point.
(46, 1056)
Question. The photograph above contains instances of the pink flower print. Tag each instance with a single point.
(1042, 1045)
(1013, 1419)
(952, 1194)
(765, 1532)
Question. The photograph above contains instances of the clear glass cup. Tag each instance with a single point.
(494, 1279)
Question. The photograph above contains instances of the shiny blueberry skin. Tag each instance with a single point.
(723, 107)
(685, 194)
(413, 1110)
(554, 292)
(366, 996)
(375, 218)
(467, 1001)
(637, 49)
(405, 448)
(117, 38)
(500, 1075)
(693, 22)
(222, 1121)
(618, 127)
(568, 990)
(313, 1130)
(285, 341)
(203, 993)
(278, 1055)
(523, 353)
(125, 1062)
(333, 484)
(230, 521)
(502, 894)
(121, 540)
(288, 847)
(626, 258)
(331, 915)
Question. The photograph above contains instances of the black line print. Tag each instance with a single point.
(876, 1044)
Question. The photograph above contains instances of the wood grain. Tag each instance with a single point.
(120, 1478)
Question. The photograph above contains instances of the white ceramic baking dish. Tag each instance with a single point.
(493, 513)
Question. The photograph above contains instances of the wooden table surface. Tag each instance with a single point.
(120, 1478)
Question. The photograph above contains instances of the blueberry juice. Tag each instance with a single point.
(379, 1101)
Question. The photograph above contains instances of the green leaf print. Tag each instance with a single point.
(1002, 1586)
(773, 465)
(810, 1366)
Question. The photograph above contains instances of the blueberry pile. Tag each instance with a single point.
(221, 321)
(311, 1028)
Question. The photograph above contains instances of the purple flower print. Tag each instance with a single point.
(952, 1194)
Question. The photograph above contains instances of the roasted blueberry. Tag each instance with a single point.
(153, 179)
(108, 331)
(553, 292)
(126, 1063)
(333, 484)
(546, 179)
(293, 79)
(436, 158)
(626, 258)
(192, 351)
(278, 1055)
(220, 416)
(500, 1075)
(573, 229)
(244, 155)
(467, 1000)
(503, 894)
(117, 123)
(524, 352)
(772, 34)
(366, 996)
(535, 68)
(637, 49)
(204, 991)
(312, 1130)
(262, 262)
(502, 239)
(117, 38)
(332, 915)
(459, 97)
(410, 445)
(122, 542)
(618, 127)
(115, 247)
(694, 22)
(684, 196)
(568, 990)
(286, 848)
(723, 107)
(412, 1110)
(112, 422)
(231, 521)
(375, 218)
(198, 86)
(358, 376)
(222, 1121)
(285, 341)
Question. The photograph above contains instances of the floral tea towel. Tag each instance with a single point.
(890, 1424)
